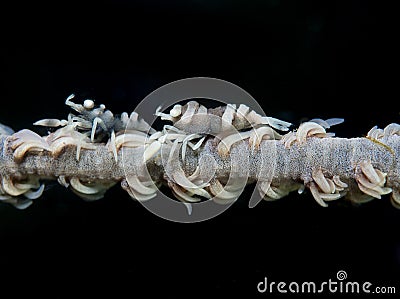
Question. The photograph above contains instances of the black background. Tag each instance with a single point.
(299, 59)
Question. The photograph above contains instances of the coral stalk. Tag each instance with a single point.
(210, 153)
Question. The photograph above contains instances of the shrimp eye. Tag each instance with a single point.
(176, 111)
(88, 104)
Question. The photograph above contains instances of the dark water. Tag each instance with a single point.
(300, 60)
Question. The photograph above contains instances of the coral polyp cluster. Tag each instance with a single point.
(201, 154)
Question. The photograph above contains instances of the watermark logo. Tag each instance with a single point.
(210, 89)
(341, 275)
(339, 285)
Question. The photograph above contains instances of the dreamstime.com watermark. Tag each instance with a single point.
(339, 285)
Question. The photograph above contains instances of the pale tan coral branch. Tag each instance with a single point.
(232, 146)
